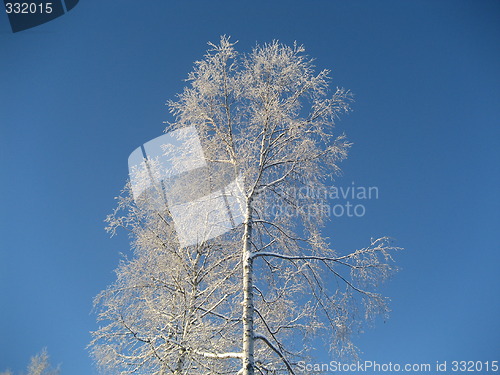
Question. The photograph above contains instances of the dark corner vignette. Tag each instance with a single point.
(25, 15)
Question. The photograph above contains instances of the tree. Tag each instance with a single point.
(39, 365)
(265, 122)
(171, 308)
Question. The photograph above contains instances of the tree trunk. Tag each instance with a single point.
(248, 308)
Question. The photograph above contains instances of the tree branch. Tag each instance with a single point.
(276, 350)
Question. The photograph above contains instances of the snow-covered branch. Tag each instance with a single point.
(276, 350)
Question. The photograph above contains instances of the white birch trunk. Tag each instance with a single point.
(248, 307)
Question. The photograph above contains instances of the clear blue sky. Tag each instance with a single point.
(80, 93)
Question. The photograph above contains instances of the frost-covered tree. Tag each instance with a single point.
(171, 308)
(254, 299)
(39, 365)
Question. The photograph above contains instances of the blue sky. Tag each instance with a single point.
(80, 93)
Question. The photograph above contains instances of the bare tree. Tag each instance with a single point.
(39, 365)
(266, 120)
(171, 308)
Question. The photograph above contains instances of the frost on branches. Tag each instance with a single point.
(39, 365)
(256, 299)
